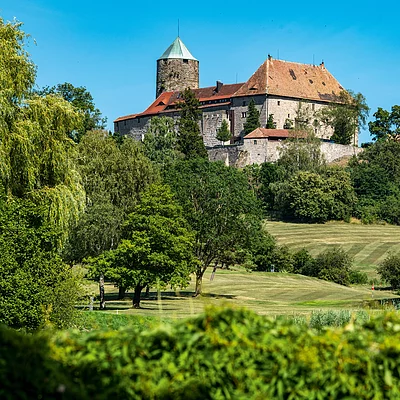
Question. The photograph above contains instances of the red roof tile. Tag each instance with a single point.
(290, 79)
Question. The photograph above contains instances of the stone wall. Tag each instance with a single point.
(258, 151)
(211, 121)
(176, 74)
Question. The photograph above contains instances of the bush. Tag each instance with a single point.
(358, 278)
(389, 270)
(334, 265)
(224, 353)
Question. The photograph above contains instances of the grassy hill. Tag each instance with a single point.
(263, 292)
(368, 244)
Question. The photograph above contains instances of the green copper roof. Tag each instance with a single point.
(177, 50)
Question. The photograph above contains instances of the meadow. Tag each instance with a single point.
(367, 244)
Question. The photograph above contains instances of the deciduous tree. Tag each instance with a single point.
(386, 124)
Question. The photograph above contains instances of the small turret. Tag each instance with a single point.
(177, 69)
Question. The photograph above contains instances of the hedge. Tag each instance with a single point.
(222, 354)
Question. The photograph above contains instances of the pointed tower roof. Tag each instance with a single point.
(177, 50)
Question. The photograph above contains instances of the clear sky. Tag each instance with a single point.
(111, 48)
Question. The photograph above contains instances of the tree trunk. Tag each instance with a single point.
(121, 292)
(147, 291)
(199, 282)
(101, 288)
(136, 296)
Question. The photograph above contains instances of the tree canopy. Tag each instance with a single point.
(346, 116)
(252, 119)
(83, 102)
(219, 206)
(386, 124)
(190, 143)
(156, 246)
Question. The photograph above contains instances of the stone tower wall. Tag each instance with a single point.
(177, 74)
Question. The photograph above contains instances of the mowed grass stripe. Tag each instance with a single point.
(368, 244)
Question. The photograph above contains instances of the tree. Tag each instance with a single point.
(223, 132)
(156, 246)
(113, 177)
(253, 118)
(190, 143)
(219, 206)
(386, 124)
(312, 197)
(160, 142)
(334, 265)
(301, 154)
(389, 270)
(346, 116)
(36, 287)
(83, 102)
(270, 122)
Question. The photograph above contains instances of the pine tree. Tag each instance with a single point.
(190, 142)
(253, 118)
(223, 132)
(270, 122)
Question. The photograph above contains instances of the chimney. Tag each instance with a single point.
(269, 57)
(219, 86)
(322, 65)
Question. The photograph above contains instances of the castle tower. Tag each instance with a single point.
(177, 69)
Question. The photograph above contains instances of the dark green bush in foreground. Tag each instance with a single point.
(225, 353)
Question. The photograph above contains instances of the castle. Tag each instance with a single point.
(292, 92)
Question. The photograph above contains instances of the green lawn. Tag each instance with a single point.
(265, 293)
(368, 244)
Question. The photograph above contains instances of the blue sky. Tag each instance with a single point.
(111, 48)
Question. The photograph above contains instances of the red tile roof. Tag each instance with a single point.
(273, 77)
(290, 79)
(263, 133)
(168, 99)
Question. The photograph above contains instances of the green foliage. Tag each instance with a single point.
(322, 319)
(156, 246)
(36, 287)
(271, 124)
(389, 270)
(190, 143)
(334, 265)
(113, 176)
(346, 116)
(358, 278)
(253, 118)
(301, 154)
(376, 178)
(218, 205)
(160, 142)
(386, 124)
(35, 153)
(83, 102)
(313, 197)
(304, 263)
(224, 353)
(223, 132)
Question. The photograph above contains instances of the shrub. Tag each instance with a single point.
(389, 270)
(358, 278)
(334, 265)
(224, 353)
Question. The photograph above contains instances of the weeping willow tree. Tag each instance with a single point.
(35, 151)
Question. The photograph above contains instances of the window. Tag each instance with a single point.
(244, 104)
(279, 102)
(186, 61)
(138, 120)
(288, 115)
(255, 142)
(313, 107)
(244, 114)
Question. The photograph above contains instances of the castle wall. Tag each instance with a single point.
(258, 151)
(240, 106)
(176, 74)
(211, 120)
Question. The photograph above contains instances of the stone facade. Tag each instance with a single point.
(258, 151)
(176, 74)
